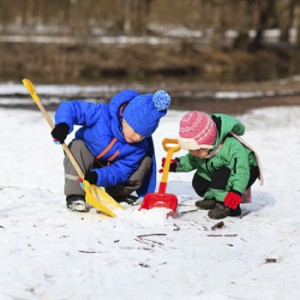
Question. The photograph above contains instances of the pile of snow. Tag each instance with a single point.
(48, 252)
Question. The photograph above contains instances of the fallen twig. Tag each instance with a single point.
(188, 211)
(143, 239)
(151, 234)
(154, 242)
(217, 225)
(177, 228)
(270, 260)
(222, 235)
(87, 251)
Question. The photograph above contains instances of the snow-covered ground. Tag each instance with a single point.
(47, 252)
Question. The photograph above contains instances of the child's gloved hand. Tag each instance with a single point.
(232, 200)
(91, 177)
(60, 132)
(173, 164)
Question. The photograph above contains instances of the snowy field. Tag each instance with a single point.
(47, 252)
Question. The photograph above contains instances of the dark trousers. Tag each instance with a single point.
(134, 182)
(219, 180)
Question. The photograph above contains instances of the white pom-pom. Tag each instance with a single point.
(161, 100)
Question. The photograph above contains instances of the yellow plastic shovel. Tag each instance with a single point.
(95, 195)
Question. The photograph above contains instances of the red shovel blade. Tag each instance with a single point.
(153, 200)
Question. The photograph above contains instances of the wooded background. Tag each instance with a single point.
(225, 40)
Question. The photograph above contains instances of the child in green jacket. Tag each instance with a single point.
(225, 165)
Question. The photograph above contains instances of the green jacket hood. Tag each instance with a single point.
(225, 125)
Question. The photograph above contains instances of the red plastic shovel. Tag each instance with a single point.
(161, 198)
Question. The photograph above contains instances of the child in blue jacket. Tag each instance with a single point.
(113, 146)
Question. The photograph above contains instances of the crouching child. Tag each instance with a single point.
(113, 145)
(226, 166)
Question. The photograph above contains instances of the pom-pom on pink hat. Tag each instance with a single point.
(197, 130)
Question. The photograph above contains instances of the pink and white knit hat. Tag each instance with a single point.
(197, 130)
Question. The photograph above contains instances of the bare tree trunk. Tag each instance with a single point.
(298, 37)
(136, 17)
(297, 23)
(242, 41)
(287, 21)
(266, 10)
(217, 24)
(128, 17)
(142, 17)
(28, 13)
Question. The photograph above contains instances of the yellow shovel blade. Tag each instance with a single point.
(98, 198)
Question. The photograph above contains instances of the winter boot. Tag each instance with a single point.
(76, 203)
(206, 203)
(221, 211)
(130, 199)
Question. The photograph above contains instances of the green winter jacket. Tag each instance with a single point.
(232, 154)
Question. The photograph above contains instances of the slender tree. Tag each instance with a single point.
(287, 20)
(266, 9)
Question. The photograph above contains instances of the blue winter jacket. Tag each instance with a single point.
(101, 125)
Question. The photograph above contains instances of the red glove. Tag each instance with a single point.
(232, 200)
(173, 165)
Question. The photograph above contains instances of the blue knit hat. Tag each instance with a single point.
(143, 112)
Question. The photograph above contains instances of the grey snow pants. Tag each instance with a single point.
(85, 160)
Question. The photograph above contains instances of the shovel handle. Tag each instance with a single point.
(94, 196)
(170, 150)
(31, 89)
(166, 145)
